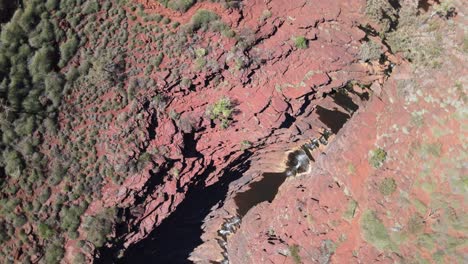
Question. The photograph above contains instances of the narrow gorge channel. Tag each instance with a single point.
(180, 233)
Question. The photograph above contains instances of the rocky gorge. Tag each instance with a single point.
(262, 131)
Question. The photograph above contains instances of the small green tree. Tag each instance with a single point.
(54, 253)
(377, 157)
(387, 186)
(45, 231)
(67, 50)
(202, 19)
(41, 63)
(14, 163)
(301, 42)
(70, 218)
(99, 226)
(181, 5)
(222, 111)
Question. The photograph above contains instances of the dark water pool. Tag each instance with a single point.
(261, 191)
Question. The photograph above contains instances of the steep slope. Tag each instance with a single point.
(388, 188)
(231, 131)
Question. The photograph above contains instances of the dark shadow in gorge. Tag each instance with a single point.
(333, 119)
(179, 234)
(346, 102)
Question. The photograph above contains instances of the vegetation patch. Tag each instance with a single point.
(178, 5)
(99, 226)
(202, 19)
(408, 31)
(430, 149)
(370, 51)
(350, 210)
(301, 42)
(375, 232)
(377, 157)
(222, 111)
(387, 186)
(245, 144)
(294, 251)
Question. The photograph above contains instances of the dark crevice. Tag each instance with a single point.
(264, 108)
(127, 223)
(369, 30)
(152, 126)
(180, 233)
(333, 119)
(305, 105)
(156, 179)
(190, 146)
(342, 99)
(425, 5)
(288, 121)
(395, 4)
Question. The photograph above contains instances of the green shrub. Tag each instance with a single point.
(79, 258)
(53, 88)
(45, 195)
(12, 34)
(149, 69)
(67, 50)
(377, 158)
(387, 186)
(19, 220)
(301, 42)
(25, 126)
(445, 9)
(350, 210)
(54, 253)
(45, 231)
(29, 17)
(72, 75)
(294, 252)
(91, 7)
(370, 51)
(52, 4)
(381, 11)
(374, 231)
(181, 5)
(199, 63)
(70, 218)
(201, 20)
(57, 174)
(43, 35)
(31, 102)
(99, 226)
(3, 233)
(265, 15)
(175, 25)
(222, 111)
(166, 20)
(245, 144)
(14, 163)
(158, 60)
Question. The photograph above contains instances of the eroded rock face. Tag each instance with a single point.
(282, 98)
(380, 191)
